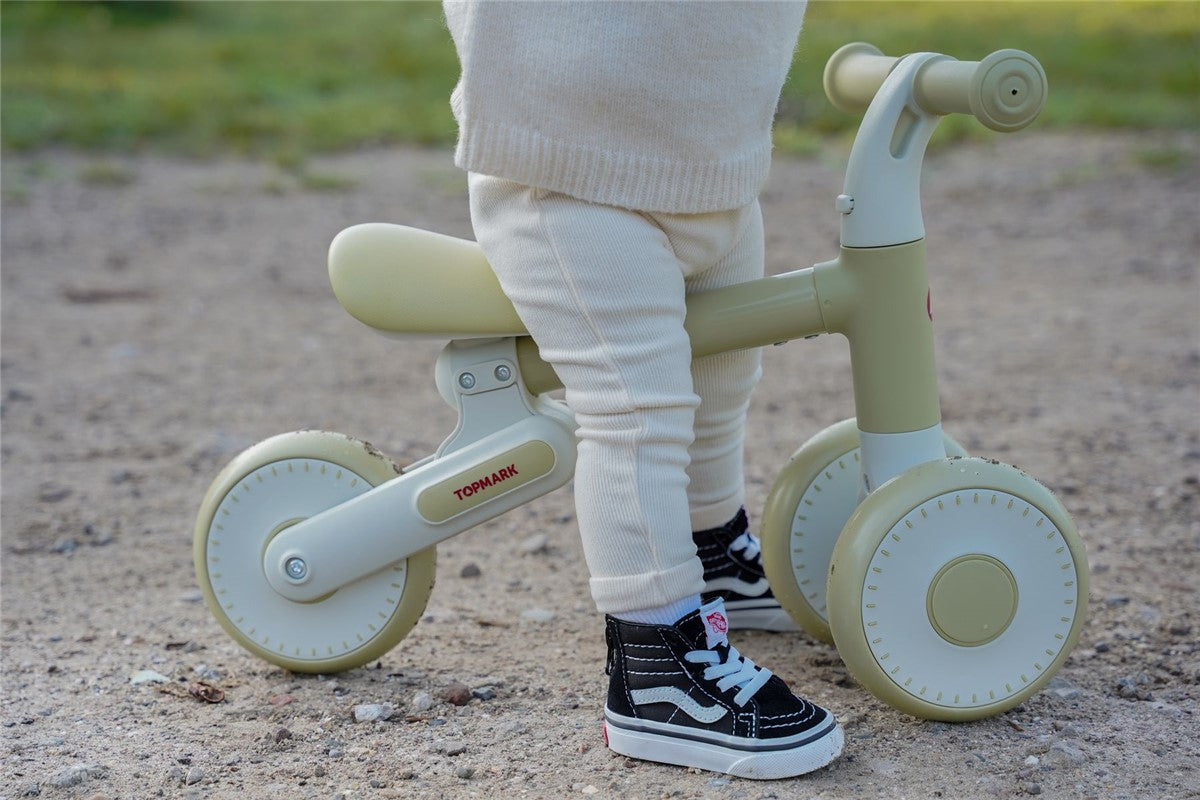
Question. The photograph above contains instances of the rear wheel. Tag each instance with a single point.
(268, 488)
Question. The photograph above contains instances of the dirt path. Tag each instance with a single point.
(158, 317)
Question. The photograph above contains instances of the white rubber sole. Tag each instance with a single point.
(748, 617)
(644, 742)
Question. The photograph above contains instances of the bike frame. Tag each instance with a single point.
(513, 443)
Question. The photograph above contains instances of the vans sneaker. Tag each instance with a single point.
(680, 694)
(733, 571)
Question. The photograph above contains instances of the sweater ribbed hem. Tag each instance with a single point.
(616, 179)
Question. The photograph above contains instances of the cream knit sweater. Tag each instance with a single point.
(654, 106)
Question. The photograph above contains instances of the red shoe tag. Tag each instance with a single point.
(716, 626)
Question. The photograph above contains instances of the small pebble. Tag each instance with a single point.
(421, 702)
(281, 734)
(1063, 689)
(457, 694)
(470, 570)
(373, 712)
(99, 537)
(1032, 788)
(456, 749)
(207, 673)
(513, 727)
(1031, 761)
(77, 774)
(54, 494)
(538, 616)
(484, 693)
(537, 543)
(194, 776)
(148, 676)
(1135, 687)
(31, 790)
(1062, 754)
(464, 772)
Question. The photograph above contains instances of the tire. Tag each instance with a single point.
(275, 484)
(957, 589)
(805, 512)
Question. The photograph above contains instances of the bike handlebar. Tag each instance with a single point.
(1005, 91)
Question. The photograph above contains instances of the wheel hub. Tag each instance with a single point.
(972, 600)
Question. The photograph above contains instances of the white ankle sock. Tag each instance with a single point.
(663, 615)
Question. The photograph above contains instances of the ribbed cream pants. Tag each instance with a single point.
(601, 289)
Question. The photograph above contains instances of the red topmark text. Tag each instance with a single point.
(499, 476)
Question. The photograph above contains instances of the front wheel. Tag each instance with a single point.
(268, 488)
(957, 589)
(808, 505)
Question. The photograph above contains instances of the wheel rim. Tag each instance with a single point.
(822, 511)
(963, 604)
(995, 646)
(261, 504)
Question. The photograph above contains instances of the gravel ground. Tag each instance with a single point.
(159, 316)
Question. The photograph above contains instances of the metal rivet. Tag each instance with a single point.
(503, 373)
(466, 380)
(295, 568)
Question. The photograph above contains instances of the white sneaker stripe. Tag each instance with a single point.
(737, 585)
(680, 699)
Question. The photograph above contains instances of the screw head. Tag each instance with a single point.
(503, 373)
(295, 568)
(466, 380)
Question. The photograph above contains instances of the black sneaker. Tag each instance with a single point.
(680, 694)
(733, 572)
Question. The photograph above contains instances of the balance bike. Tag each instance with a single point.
(953, 587)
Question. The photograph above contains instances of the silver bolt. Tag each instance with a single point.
(295, 568)
(466, 380)
(503, 373)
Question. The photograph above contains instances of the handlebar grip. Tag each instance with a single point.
(1005, 91)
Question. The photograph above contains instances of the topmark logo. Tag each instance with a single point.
(499, 476)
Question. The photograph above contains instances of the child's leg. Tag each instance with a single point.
(724, 383)
(602, 292)
(716, 492)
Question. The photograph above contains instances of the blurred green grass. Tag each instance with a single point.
(286, 79)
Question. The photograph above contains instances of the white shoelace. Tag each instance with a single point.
(749, 543)
(734, 671)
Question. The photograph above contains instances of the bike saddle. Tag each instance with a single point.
(407, 281)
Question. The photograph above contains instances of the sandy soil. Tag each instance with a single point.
(160, 316)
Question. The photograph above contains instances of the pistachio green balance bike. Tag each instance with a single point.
(953, 587)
